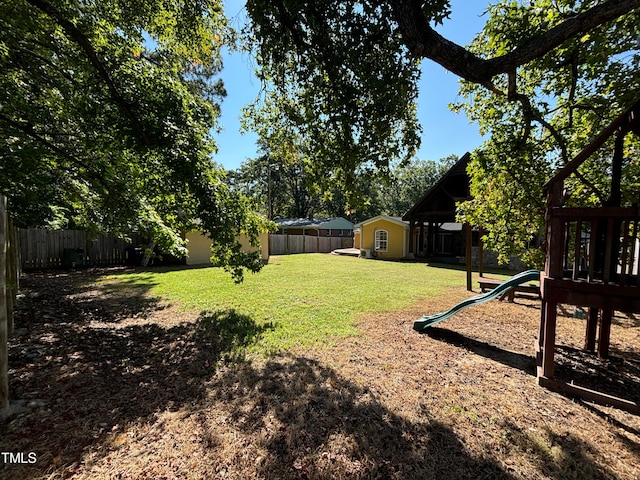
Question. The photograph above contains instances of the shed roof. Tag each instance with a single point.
(451, 227)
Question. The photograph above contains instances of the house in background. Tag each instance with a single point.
(387, 237)
(428, 229)
(318, 227)
(199, 247)
(382, 237)
(432, 218)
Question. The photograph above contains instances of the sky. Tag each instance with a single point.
(444, 132)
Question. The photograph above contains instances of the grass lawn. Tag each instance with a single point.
(133, 376)
(303, 299)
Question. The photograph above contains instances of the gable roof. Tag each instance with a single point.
(388, 218)
(440, 200)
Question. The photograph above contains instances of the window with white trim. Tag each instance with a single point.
(381, 240)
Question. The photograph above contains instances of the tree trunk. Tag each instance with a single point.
(148, 253)
(4, 367)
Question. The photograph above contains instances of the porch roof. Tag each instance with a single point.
(439, 202)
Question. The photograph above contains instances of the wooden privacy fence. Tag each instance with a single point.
(289, 244)
(41, 248)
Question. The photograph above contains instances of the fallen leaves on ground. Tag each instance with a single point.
(111, 383)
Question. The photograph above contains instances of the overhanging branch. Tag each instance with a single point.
(424, 42)
(30, 131)
(75, 34)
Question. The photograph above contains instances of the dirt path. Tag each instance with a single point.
(110, 383)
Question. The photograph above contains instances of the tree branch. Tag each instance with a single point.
(75, 34)
(569, 28)
(424, 42)
(31, 132)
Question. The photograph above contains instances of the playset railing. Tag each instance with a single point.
(597, 245)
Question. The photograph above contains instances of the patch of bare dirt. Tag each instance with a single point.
(111, 383)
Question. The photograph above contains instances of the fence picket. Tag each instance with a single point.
(40, 248)
(280, 244)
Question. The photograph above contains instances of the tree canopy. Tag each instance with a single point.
(107, 120)
(563, 99)
(338, 74)
(282, 189)
(110, 106)
(540, 79)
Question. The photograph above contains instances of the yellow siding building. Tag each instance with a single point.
(382, 237)
(199, 246)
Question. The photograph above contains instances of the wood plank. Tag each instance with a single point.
(625, 252)
(468, 252)
(480, 252)
(589, 395)
(39, 248)
(555, 232)
(582, 293)
(591, 329)
(566, 246)
(549, 344)
(555, 245)
(491, 283)
(576, 250)
(633, 258)
(599, 212)
(605, 333)
(624, 120)
(608, 253)
(593, 246)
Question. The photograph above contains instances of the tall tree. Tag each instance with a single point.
(563, 99)
(408, 183)
(279, 188)
(107, 116)
(285, 173)
(347, 70)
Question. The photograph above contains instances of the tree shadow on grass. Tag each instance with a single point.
(565, 454)
(71, 383)
(77, 297)
(299, 418)
(617, 375)
(555, 455)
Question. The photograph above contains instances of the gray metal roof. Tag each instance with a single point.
(333, 223)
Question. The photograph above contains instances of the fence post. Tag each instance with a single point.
(12, 277)
(4, 354)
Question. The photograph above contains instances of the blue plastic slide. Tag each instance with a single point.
(524, 277)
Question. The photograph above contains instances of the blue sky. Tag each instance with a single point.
(444, 132)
